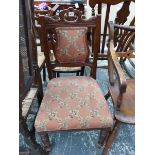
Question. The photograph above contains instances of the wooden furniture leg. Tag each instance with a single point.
(30, 140)
(40, 89)
(111, 137)
(82, 71)
(38, 80)
(102, 137)
(44, 73)
(110, 71)
(77, 74)
(58, 74)
(45, 141)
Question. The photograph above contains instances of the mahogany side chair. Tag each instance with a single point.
(121, 90)
(71, 103)
(57, 70)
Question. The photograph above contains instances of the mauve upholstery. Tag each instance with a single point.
(72, 46)
(74, 102)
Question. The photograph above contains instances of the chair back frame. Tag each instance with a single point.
(65, 19)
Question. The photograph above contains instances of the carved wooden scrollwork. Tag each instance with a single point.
(123, 13)
(69, 15)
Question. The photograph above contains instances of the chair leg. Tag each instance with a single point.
(40, 88)
(103, 135)
(82, 71)
(110, 71)
(58, 74)
(44, 73)
(45, 141)
(111, 137)
(77, 73)
(52, 75)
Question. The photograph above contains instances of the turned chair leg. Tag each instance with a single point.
(102, 138)
(111, 137)
(45, 141)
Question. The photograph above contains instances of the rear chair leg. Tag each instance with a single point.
(111, 137)
(103, 136)
(45, 141)
(77, 73)
(82, 71)
(58, 74)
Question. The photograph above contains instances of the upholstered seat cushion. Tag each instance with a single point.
(74, 102)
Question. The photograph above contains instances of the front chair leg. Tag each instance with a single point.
(111, 137)
(52, 75)
(103, 135)
(45, 141)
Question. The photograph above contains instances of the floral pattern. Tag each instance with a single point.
(73, 103)
(72, 45)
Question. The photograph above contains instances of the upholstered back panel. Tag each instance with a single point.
(72, 45)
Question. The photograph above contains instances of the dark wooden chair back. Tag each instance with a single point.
(123, 38)
(121, 15)
(122, 51)
(68, 19)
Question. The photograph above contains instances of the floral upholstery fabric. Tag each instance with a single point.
(73, 103)
(71, 45)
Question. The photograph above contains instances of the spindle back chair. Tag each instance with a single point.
(121, 89)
